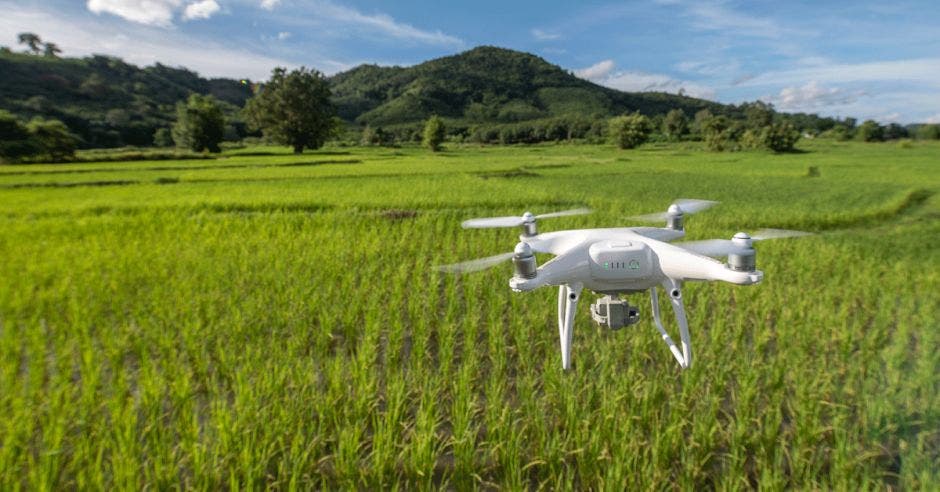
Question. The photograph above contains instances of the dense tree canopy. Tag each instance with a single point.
(199, 124)
(293, 109)
(629, 131)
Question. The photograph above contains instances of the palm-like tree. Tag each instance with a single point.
(51, 50)
(31, 40)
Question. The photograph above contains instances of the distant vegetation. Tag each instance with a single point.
(486, 95)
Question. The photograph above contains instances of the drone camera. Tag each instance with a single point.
(524, 261)
(614, 313)
(674, 218)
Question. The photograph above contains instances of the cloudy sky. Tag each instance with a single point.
(867, 59)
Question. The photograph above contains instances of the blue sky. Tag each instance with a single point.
(866, 59)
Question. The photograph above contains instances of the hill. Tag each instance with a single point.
(491, 85)
(104, 100)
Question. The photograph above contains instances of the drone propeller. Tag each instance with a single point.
(518, 221)
(476, 265)
(740, 243)
(680, 206)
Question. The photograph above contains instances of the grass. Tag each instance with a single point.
(249, 323)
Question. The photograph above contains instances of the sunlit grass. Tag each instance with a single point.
(261, 325)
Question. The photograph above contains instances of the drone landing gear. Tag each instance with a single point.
(684, 357)
(568, 296)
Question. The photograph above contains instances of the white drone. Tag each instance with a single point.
(623, 260)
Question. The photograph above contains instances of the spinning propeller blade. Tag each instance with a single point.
(476, 265)
(724, 247)
(517, 221)
(686, 206)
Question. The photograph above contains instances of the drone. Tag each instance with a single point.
(616, 262)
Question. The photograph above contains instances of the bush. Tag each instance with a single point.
(434, 132)
(719, 135)
(629, 131)
(53, 139)
(162, 137)
(929, 132)
(870, 131)
(199, 125)
(15, 141)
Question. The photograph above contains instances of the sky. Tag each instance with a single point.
(865, 59)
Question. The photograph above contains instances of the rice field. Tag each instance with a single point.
(272, 321)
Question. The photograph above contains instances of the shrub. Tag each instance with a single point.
(434, 132)
(15, 141)
(870, 131)
(200, 124)
(53, 138)
(629, 131)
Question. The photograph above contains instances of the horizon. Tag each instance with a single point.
(867, 61)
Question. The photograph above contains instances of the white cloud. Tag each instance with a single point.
(596, 71)
(150, 12)
(544, 36)
(144, 46)
(923, 70)
(813, 95)
(382, 24)
(202, 9)
(715, 16)
(933, 119)
(283, 35)
(269, 4)
(603, 73)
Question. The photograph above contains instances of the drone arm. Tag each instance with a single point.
(568, 296)
(684, 357)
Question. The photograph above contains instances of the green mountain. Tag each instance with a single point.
(488, 85)
(104, 100)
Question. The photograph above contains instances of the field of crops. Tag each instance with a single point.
(272, 320)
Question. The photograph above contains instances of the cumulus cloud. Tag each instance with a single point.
(596, 71)
(150, 12)
(933, 119)
(283, 35)
(604, 73)
(544, 35)
(146, 45)
(154, 12)
(269, 4)
(200, 10)
(813, 95)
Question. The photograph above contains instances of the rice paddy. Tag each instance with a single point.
(272, 321)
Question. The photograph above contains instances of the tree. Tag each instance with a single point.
(870, 131)
(53, 139)
(777, 137)
(675, 125)
(293, 109)
(895, 131)
(31, 40)
(15, 140)
(629, 131)
(758, 114)
(163, 138)
(718, 133)
(51, 50)
(702, 116)
(928, 132)
(434, 132)
(199, 124)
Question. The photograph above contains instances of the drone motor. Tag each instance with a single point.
(743, 259)
(524, 261)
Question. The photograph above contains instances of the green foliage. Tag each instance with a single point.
(434, 133)
(293, 109)
(895, 131)
(163, 137)
(629, 131)
(776, 137)
(929, 132)
(199, 125)
(86, 93)
(758, 114)
(675, 124)
(870, 131)
(720, 134)
(48, 140)
(15, 140)
(53, 138)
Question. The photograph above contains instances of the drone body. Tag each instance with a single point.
(621, 261)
